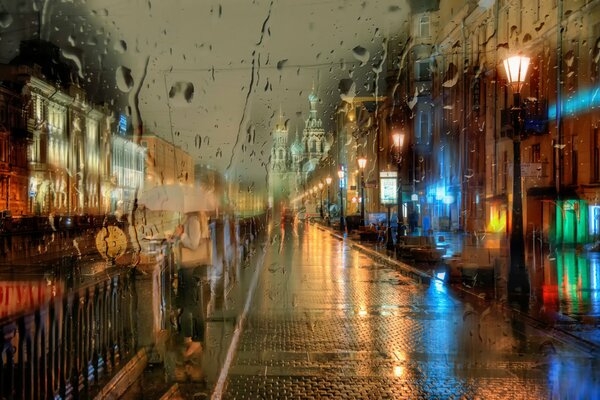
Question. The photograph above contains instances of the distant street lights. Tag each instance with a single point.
(362, 163)
(328, 181)
(398, 139)
(518, 279)
(341, 178)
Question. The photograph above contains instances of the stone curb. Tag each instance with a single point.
(404, 269)
(421, 277)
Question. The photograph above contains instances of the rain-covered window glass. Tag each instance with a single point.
(257, 199)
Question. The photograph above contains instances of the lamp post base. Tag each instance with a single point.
(389, 241)
(518, 282)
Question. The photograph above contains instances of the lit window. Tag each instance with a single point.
(424, 26)
(422, 133)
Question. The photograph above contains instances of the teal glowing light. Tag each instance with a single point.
(572, 221)
(580, 102)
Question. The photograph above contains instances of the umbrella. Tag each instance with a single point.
(179, 198)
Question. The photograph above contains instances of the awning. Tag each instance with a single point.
(549, 192)
(590, 193)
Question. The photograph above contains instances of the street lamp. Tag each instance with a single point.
(328, 181)
(398, 139)
(341, 178)
(362, 163)
(321, 199)
(518, 280)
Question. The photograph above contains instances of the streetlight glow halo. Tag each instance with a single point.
(362, 162)
(516, 70)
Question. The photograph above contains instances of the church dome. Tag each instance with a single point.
(297, 148)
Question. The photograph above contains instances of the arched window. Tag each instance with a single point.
(313, 146)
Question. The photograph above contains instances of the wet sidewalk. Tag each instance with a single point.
(565, 283)
(328, 321)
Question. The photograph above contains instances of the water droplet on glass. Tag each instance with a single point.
(467, 313)
(182, 92)
(6, 19)
(281, 64)
(70, 55)
(124, 79)
(361, 54)
(120, 46)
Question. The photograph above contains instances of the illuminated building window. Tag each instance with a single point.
(536, 155)
(596, 155)
(424, 26)
(422, 70)
(504, 170)
(422, 133)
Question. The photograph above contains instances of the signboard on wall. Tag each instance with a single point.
(19, 296)
(531, 169)
(388, 187)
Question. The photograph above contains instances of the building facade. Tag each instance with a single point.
(447, 91)
(14, 174)
(166, 164)
(60, 154)
(128, 173)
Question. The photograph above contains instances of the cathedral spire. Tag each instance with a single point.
(280, 125)
(313, 99)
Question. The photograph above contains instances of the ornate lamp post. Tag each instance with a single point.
(321, 199)
(328, 181)
(316, 196)
(341, 178)
(362, 163)
(398, 138)
(518, 279)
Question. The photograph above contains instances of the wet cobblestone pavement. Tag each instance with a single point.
(327, 321)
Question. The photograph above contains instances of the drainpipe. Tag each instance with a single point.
(495, 101)
(559, 130)
(558, 153)
(462, 218)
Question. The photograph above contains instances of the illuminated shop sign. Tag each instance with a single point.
(17, 296)
(595, 219)
(122, 124)
(388, 188)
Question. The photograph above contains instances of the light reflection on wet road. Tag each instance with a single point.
(328, 321)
